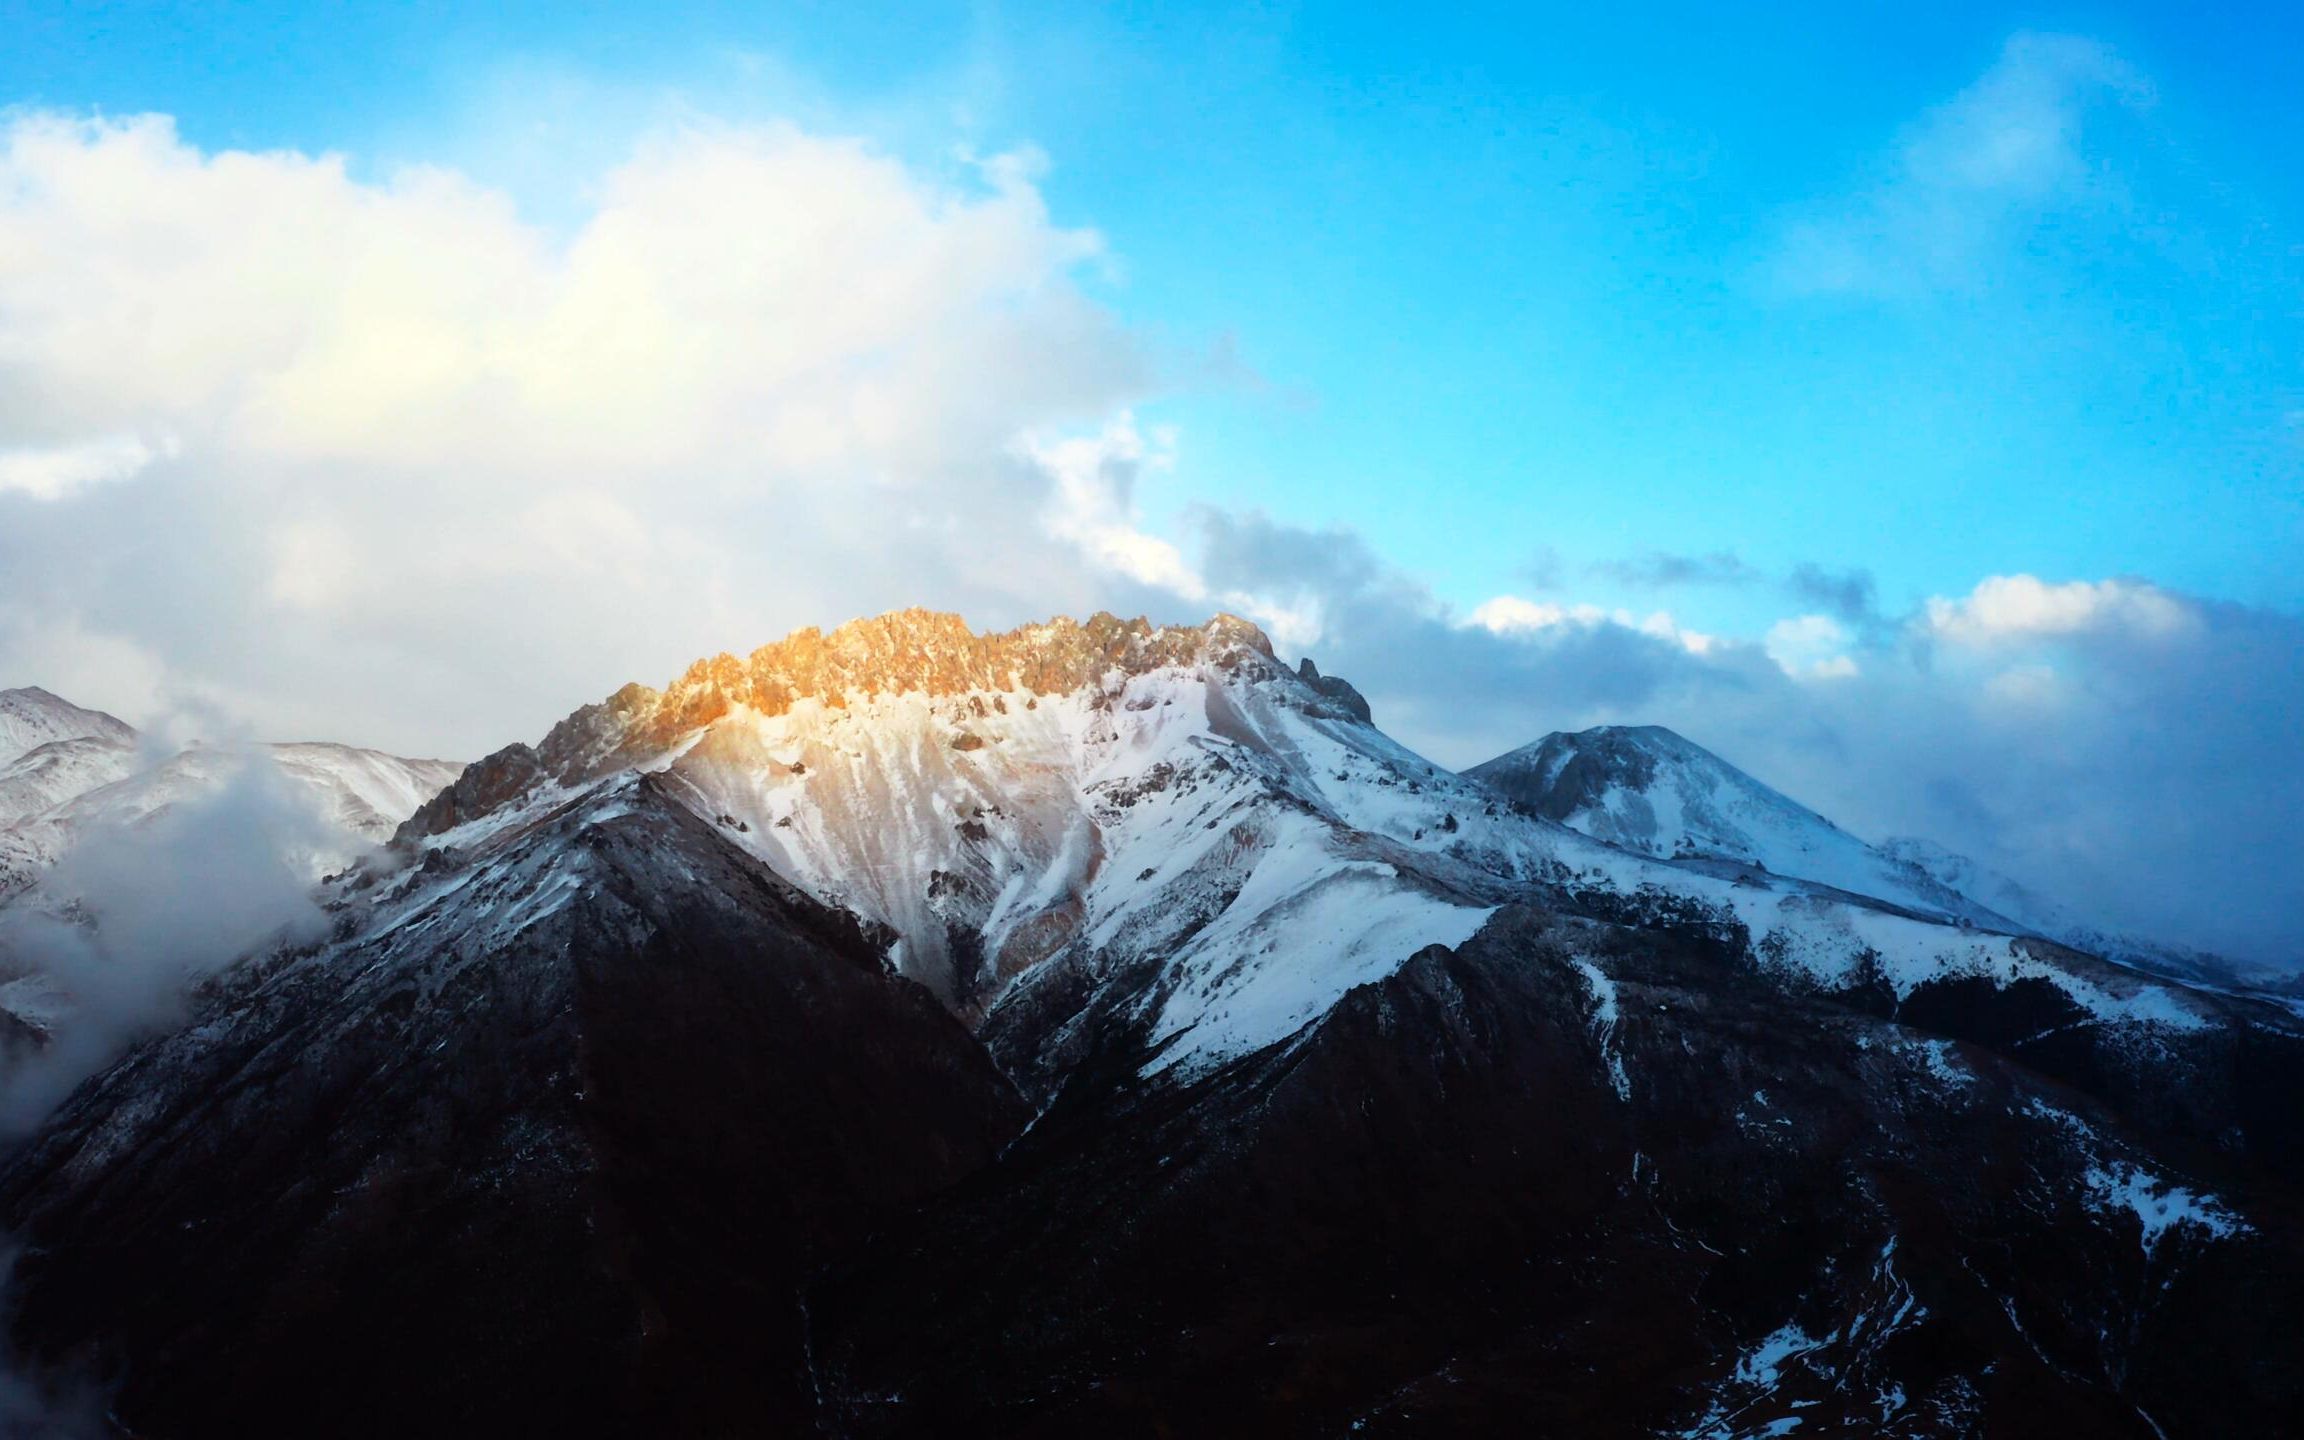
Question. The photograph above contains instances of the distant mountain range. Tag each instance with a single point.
(65, 770)
(1104, 1027)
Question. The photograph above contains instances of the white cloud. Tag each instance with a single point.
(2009, 608)
(1513, 615)
(1815, 646)
(436, 455)
(1966, 177)
(1095, 506)
(52, 472)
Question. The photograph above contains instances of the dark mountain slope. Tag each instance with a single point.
(544, 1147)
(1578, 1179)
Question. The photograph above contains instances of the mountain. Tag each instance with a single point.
(1104, 1026)
(52, 750)
(1647, 789)
(31, 717)
(359, 796)
(86, 773)
(61, 789)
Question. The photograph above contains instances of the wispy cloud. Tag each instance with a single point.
(1849, 595)
(53, 472)
(1659, 570)
(1966, 180)
(137, 914)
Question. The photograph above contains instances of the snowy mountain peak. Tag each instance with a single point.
(1646, 788)
(995, 799)
(31, 717)
(925, 652)
(50, 751)
(1655, 792)
(928, 654)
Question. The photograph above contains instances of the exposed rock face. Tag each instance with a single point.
(909, 652)
(1337, 689)
(477, 791)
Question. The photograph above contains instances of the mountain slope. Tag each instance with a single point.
(361, 795)
(1578, 1178)
(31, 717)
(541, 1143)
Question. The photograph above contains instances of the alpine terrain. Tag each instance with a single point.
(1104, 1028)
(67, 773)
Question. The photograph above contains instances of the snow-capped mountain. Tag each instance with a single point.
(52, 750)
(1649, 790)
(1104, 793)
(360, 795)
(1259, 1077)
(995, 801)
(82, 770)
(31, 717)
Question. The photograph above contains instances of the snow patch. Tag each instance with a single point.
(1605, 1013)
(2158, 1205)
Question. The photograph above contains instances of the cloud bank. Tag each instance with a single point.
(319, 446)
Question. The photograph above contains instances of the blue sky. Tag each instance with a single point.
(1905, 402)
(1491, 288)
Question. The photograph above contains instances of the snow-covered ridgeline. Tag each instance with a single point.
(1201, 804)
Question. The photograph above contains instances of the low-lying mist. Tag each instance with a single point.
(112, 941)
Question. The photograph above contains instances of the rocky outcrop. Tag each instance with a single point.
(919, 652)
(1336, 688)
(478, 790)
